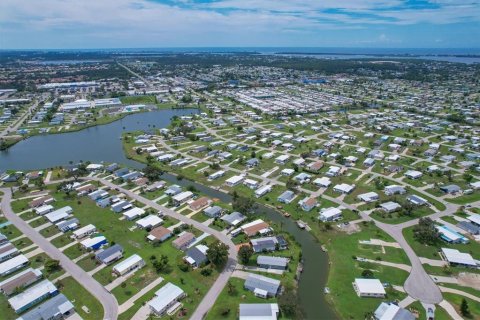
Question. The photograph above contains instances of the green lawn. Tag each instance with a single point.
(81, 297)
(456, 301)
(226, 306)
(139, 99)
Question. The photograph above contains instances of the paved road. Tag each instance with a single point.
(108, 301)
(19, 122)
(212, 295)
(148, 83)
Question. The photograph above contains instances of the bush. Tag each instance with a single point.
(206, 272)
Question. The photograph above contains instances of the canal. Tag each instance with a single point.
(102, 143)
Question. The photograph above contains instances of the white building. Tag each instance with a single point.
(166, 299)
(234, 181)
(263, 191)
(344, 188)
(150, 221)
(84, 231)
(133, 213)
(132, 263)
(330, 214)
(369, 288)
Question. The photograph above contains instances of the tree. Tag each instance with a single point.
(231, 288)
(291, 185)
(152, 173)
(217, 254)
(425, 232)
(244, 254)
(242, 204)
(52, 265)
(464, 308)
(288, 302)
(162, 266)
(367, 273)
(467, 177)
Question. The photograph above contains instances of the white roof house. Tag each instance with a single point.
(94, 242)
(475, 219)
(263, 191)
(13, 264)
(165, 298)
(258, 311)
(330, 214)
(59, 214)
(131, 263)
(84, 231)
(150, 221)
(44, 209)
(368, 197)
(182, 197)
(233, 181)
(133, 213)
(413, 174)
(32, 295)
(369, 288)
(322, 182)
(456, 257)
(344, 188)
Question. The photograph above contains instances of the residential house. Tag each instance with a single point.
(166, 298)
(110, 254)
(159, 234)
(184, 239)
(371, 288)
(286, 197)
(131, 264)
(197, 255)
(307, 204)
(262, 286)
(330, 214)
(269, 262)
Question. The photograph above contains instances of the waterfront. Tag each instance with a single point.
(102, 143)
(95, 144)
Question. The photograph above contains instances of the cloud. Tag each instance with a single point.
(147, 23)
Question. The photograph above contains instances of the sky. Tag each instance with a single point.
(84, 24)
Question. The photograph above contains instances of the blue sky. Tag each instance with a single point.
(31, 24)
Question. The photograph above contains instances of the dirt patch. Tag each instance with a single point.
(469, 280)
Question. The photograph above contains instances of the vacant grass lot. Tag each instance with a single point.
(81, 297)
